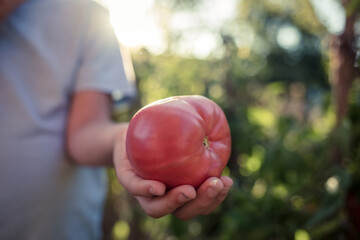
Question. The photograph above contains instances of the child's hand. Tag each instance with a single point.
(183, 201)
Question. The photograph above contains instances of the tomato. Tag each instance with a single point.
(179, 140)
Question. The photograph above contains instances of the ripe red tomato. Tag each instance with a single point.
(179, 140)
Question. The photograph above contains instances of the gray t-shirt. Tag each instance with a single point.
(50, 49)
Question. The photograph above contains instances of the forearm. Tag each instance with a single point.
(90, 132)
(94, 143)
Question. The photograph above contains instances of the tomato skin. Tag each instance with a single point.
(179, 140)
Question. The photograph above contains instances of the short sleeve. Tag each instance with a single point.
(101, 65)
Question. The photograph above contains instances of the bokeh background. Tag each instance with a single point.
(285, 72)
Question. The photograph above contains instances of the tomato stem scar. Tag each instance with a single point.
(206, 142)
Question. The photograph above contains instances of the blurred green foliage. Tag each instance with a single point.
(280, 109)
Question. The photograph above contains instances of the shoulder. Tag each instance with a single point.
(71, 6)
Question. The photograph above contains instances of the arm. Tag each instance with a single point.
(90, 132)
(93, 139)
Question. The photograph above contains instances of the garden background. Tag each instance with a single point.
(287, 80)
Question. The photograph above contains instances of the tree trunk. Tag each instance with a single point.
(342, 70)
(341, 76)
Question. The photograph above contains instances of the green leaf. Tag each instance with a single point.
(352, 7)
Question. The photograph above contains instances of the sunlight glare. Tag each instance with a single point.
(331, 13)
(134, 25)
(289, 37)
(332, 184)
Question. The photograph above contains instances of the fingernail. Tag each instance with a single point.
(215, 188)
(212, 192)
(182, 198)
(152, 191)
(215, 184)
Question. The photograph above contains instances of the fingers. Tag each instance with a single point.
(221, 195)
(209, 196)
(160, 206)
(137, 186)
(134, 184)
(140, 187)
